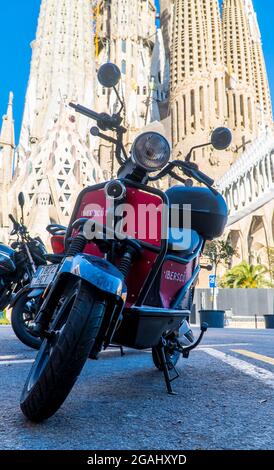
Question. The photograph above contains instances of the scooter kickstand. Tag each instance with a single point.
(168, 380)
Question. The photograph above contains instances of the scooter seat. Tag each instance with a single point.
(183, 242)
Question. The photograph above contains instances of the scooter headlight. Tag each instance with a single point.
(150, 151)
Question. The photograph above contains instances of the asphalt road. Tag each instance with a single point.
(225, 399)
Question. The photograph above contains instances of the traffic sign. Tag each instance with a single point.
(212, 281)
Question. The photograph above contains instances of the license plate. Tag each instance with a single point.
(44, 276)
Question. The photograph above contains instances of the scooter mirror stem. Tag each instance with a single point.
(119, 99)
(189, 155)
(22, 216)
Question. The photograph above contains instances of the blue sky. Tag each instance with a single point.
(17, 30)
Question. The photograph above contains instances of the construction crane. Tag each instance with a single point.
(96, 25)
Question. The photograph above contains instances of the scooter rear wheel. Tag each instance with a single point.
(77, 321)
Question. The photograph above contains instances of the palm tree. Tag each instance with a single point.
(246, 276)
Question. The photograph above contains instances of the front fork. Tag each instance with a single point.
(131, 250)
(176, 345)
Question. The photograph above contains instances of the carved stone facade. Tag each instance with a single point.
(218, 77)
(54, 157)
(248, 188)
(126, 35)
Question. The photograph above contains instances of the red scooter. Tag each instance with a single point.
(131, 264)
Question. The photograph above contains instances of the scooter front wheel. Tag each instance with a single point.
(77, 321)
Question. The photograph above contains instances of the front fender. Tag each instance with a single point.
(32, 293)
(17, 295)
(96, 271)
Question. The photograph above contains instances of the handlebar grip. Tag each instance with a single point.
(193, 171)
(204, 178)
(104, 120)
(13, 219)
(85, 111)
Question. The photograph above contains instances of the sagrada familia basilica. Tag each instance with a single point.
(199, 67)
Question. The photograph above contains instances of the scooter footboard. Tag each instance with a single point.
(142, 327)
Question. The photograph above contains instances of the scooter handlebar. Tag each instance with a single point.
(104, 120)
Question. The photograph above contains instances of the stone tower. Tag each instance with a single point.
(218, 77)
(240, 78)
(7, 146)
(125, 34)
(166, 18)
(55, 152)
(263, 99)
(197, 98)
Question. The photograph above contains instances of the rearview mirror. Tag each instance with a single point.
(109, 75)
(21, 200)
(221, 138)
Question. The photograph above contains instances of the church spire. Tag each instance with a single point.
(7, 146)
(62, 67)
(215, 61)
(263, 99)
(7, 132)
(240, 77)
(237, 40)
(197, 72)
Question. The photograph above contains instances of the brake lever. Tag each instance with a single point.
(192, 170)
(177, 177)
(167, 170)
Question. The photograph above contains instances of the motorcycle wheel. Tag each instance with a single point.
(172, 358)
(77, 320)
(20, 316)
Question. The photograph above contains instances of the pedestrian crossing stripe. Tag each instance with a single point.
(253, 355)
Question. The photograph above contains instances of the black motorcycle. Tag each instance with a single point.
(27, 300)
(19, 261)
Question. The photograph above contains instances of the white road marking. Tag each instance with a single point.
(258, 373)
(111, 350)
(19, 361)
(6, 358)
(222, 345)
(9, 360)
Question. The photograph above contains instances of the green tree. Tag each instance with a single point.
(246, 276)
(219, 252)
